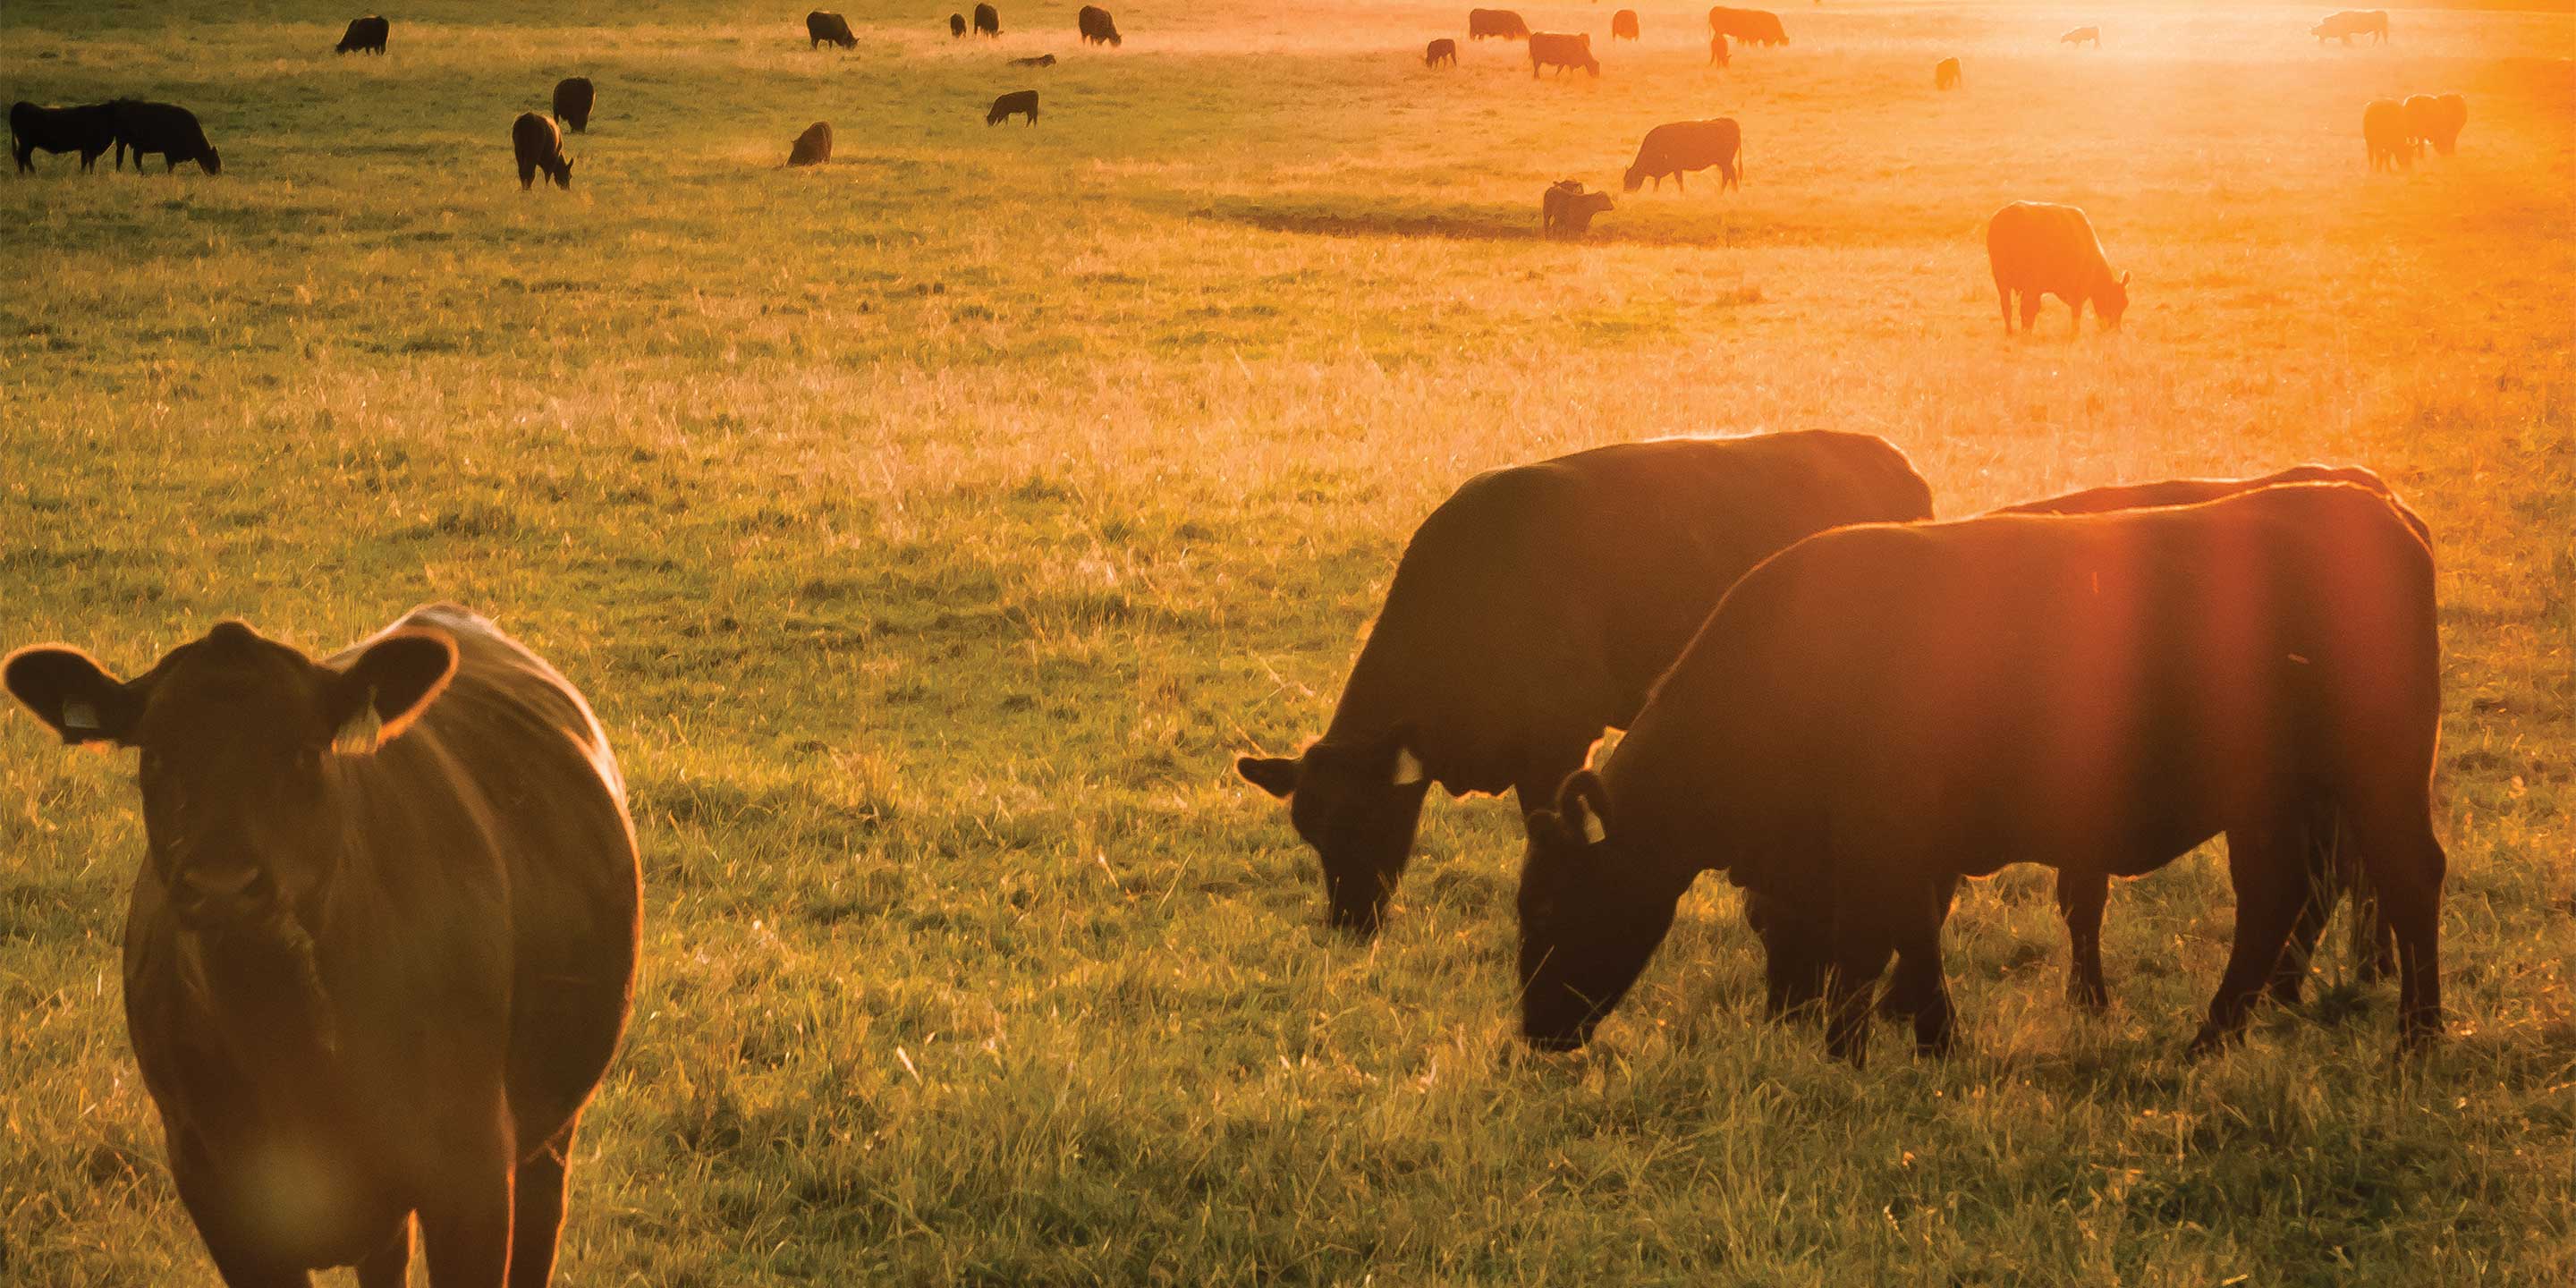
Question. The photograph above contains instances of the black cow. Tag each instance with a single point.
(822, 27)
(988, 21)
(1019, 103)
(89, 130)
(1042, 60)
(1883, 709)
(1533, 609)
(365, 35)
(538, 144)
(1097, 27)
(574, 96)
(161, 127)
(956, 26)
(813, 147)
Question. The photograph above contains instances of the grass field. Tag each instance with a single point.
(932, 528)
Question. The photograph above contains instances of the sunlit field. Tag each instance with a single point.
(933, 527)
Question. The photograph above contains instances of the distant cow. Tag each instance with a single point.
(1567, 210)
(1022, 103)
(89, 130)
(822, 27)
(1717, 52)
(1684, 146)
(1536, 607)
(2080, 35)
(538, 144)
(1097, 27)
(1499, 24)
(2451, 115)
(365, 35)
(813, 147)
(1623, 25)
(2383, 136)
(2036, 249)
(1561, 51)
(1883, 709)
(2351, 23)
(161, 127)
(1439, 52)
(1042, 60)
(1752, 26)
(2421, 114)
(956, 26)
(381, 947)
(573, 98)
(1945, 74)
(988, 20)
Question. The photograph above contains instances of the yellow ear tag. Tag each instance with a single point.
(359, 734)
(78, 714)
(1408, 767)
(1593, 832)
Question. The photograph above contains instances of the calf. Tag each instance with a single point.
(538, 143)
(988, 20)
(1566, 210)
(1022, 103)
(574, 96)
(1561, 51)
(2036, 249)
(813, 147)
(822, 27)
(956, 26)
(161, 127)
(1042, 60)
(1881, 710)
(1945, 74)
(1684, 146)
(1443, 51)
(88, 130)
(381, 947)
(2383, 136)
(1097, 27)
(1534, 608)
(365, 35)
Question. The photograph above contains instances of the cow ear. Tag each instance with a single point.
(1276, 775)
(387, 688)
(2124, 281)
(72, 693)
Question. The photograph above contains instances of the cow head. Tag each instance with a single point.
(1359, 808)
(563, 176)
(2113, 301)
(243, 741)
(211, 163)
(1592, 912)
(1634, 179)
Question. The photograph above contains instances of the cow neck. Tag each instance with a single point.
(264, 991)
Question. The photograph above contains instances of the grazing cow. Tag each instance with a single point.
(1683, 146)
(161, 127)
(538, 143)
(382, 945)
(813, 147)
(574, 96)
(2080, 35)
(2421, 113)
(1533, 609)
(2351, 23)
(822, 27)
(1752, 26)
(956, 26)
(89, 130)
(1042, 60)
(1561, 51)
(1945, 74)
(1020, 103)
(1567, 210)
(2451, 115)
(1717, 53)
(1097, 27)
(1881, 710)
(1623, 25)
(2036, 249)
(365, 35)
(2383, 136)
(1443, 50)
(988, 20)
(1499, 24)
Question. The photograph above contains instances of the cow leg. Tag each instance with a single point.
(1862, 943)
(2404, 865)
(2081, 896)
(2003, 296)
(1678, 185)
(2270, 881)
(538, 1221)
(2029, 310)
(1918, 975)
(465, 1226)
(2328, 873)
(527, 175)
(1918, 947)
(390, 1265)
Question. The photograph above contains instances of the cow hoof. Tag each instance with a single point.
(2208, 1042)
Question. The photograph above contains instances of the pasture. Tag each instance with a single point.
(932, 527)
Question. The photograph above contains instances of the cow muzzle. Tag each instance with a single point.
(206, 898)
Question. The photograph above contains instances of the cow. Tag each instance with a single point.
(1752, 26)
(2351, 23)
(2451, 115)
(1097, 27)
(165, 128)
(1042, 60)
(89, 130)
(1882, 709)
(2080, 35)
(1566, 210)
(1945, 74)
(1623, 25)
(1684, 146)
(1561, 51)
(2036, 249)
(1439, 52)
(2383, 136)
(813, 147)
(1498, 24)
(988, 21)
(956, 26)
(382, 944)
(824, 27)
(538, 144)
(2421, 113)
(1717, 53)
(574, 96)
(1023, 103)
(1457, 684)
(365, 35)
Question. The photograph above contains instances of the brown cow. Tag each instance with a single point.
(2383, 136)
(1752, 26)
(1623, 25)
(988, 21)
(574, 97)
(2451, 115)
(2351, 23)
(1561, 51)
(1684, 146)
(538, 142)
(1566, 210)
(813, 147)
(2421, 113)
(382, 945)
(823, 26)
(1883, 709)
(1498, 24)
(1533, 609)
(956, 26)
(1945, 74)
(1097, 27)
(2036, 249)
(1717, 54)
(1022, 103)
(1439, 52)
